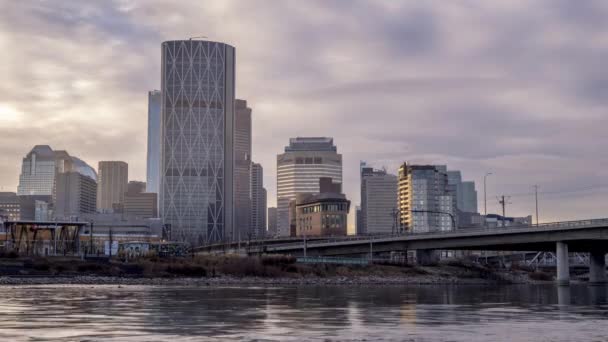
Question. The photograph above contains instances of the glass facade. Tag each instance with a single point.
(37, 172)
(242, 171)
(258, 202)
(197, 124)
(154, 142)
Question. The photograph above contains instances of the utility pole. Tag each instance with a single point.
(485, 202)
(503, 202)
(536, 198)
(91, 238)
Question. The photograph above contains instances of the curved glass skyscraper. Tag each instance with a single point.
(197, 115)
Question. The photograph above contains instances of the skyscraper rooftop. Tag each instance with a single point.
(311, 144)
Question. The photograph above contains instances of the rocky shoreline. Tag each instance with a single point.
(251, 281)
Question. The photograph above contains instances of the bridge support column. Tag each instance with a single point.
(597, 267)
(426, 257)
(563, 266)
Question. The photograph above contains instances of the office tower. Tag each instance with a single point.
(9, 205)
(135, 187)
(425, 201)
(153, 155)
(242, 171)
(359, 227)
(272, 222)
(113, 180)
(454, 181)
(378, 202)
(38, 172)
(321, 214)
(258, 202)
(139, 204)
(467, 197)
(465, 193)
(38, 180)
(197, 129)
(298, 171)
(76, 194)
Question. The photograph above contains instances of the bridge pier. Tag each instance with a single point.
(427, 257)
(597, 267)
(563, 265)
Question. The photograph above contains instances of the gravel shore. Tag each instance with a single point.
(234, 281)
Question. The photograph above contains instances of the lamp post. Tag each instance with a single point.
(485, 202)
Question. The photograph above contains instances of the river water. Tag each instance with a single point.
(420, 313)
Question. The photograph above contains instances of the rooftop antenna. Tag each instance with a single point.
(205, 37)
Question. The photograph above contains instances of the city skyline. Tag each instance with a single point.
(505, 120)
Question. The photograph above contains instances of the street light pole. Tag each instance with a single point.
(536, 198)
(485, 202)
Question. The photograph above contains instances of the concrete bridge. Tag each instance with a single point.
(590, 236)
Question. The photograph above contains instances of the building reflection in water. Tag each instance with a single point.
(332, 312)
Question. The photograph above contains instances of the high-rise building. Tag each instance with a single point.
(113, 180)
(9, 205)
(154, 142)
(298, 171)
(197, 129)
(424, 198)
(76, 194)
(38, 172)
(464, 198)
(139, 204)
(242, 171)
(258, 202)
(378, 202)
(359, 227)
(467, 197)
(272, 222)
(38, 180)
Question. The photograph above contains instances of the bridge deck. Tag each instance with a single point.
(581, 236)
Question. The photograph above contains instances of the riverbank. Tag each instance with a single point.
(236, 270)
(243, 281)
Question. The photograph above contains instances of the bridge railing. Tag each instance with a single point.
(547, 226)
(298, 241)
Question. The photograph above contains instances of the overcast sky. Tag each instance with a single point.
(516, 88)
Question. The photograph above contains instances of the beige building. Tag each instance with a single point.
(322, 214)
(113, 177)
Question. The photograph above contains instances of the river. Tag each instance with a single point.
(412, 313)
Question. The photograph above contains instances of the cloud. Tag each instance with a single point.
(514, 87)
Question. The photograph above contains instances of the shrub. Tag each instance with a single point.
(242, 267)
(41, 266)
(187, 270)
(278, 260)
(90, 267)
(132, 268)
